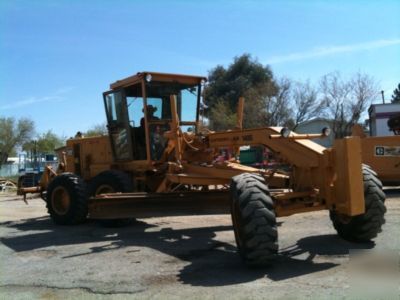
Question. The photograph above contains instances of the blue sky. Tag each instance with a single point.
(57, 57)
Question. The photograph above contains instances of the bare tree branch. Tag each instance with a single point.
(346, 101)
(306, 102)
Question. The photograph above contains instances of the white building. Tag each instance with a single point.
(10, 168)
(378, 118)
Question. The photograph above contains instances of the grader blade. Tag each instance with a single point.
(145, 205)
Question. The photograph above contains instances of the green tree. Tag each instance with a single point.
(222, 116)
(43, 143)
(396, 95)
(13, 134)
(96, 130)
(244, 77)
(49, 141)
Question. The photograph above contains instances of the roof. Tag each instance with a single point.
(12, 159)
(156, 76)
(380, 105)
(314, 121)
(384, 104)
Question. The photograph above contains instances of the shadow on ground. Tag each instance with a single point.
(211, 262)
(392, 191)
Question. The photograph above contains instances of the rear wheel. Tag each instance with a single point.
(363, 228)
(67, 199)
(254, 220)
(112, 181)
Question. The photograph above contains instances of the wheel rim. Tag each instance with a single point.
(60, 200)
(104, 189)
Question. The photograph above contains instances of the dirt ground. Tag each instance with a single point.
(172, 257)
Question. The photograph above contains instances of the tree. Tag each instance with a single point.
(96, 130)
(43, 143)
(244, 77)
(306, 102)
(345, 101)
(222, 116)
(279, 112)
(49, 141)
(396, 95)
(12, 134)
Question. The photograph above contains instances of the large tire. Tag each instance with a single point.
(363, 228)
(112, 181)
(66, 199)
(254, 220)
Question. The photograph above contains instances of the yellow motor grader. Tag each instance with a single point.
(159, 160)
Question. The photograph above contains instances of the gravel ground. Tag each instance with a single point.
(172, 257)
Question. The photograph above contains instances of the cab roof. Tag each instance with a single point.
(156, 76)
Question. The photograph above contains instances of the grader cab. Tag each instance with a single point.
(159, 160)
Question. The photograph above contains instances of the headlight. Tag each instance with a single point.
(326, 131)
(285, 132)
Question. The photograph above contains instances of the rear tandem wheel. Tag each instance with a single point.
(112, 181)
(363, 228)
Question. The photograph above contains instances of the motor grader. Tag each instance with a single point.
(159, 160)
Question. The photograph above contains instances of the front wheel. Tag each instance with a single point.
(66, 199)
(254, 220)
(363, 228)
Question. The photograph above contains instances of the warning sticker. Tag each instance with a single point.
(387, 151)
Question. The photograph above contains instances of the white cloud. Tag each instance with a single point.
(332, 50)
(57, 96)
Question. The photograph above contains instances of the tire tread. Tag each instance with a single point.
(256, 233)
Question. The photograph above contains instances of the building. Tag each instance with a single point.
(379, 115)
(315, 126)
(10, 168)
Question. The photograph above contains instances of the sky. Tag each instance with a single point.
(58, 57)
